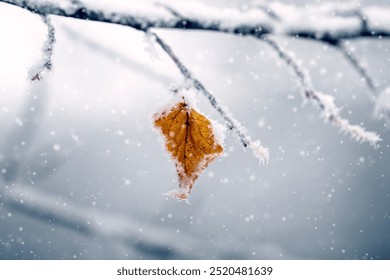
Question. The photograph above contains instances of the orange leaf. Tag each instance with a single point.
(191, 142)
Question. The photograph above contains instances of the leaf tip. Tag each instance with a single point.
(180, 195)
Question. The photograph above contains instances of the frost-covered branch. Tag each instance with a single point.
(330, 112)
(38, 71)
(258, 150)
(325, 22)
(346, 10)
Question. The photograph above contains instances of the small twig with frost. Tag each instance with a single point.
(330, 112)
(359, 67)
(38, 71)
(258, 150)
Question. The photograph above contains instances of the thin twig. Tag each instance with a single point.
(360, 69)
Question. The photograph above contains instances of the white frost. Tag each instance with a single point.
(180, 194)
(319, 19)
(358, 133)
(329, 109)
(330, 112)
(259, 151)
(145, 10)
(182, 94)
(219, 132)
(226, 18)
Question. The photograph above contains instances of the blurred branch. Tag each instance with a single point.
(20, 137)
(115, 55)
(91, 222)
(360, 69)
(127, 235)
(148, 240)
(319, 22)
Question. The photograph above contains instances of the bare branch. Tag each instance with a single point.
(259, 151)
(330, 112)
(331, 27)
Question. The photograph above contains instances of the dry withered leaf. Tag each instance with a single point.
(191, 142)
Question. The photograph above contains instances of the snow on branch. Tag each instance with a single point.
(378, 20)
(324, 22)
(44, 65)
(330, 112)
(340, 9)
(258, 150)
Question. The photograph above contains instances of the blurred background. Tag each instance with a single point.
(79, 152)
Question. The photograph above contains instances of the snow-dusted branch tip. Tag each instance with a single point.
(330, 112)
(44, 65)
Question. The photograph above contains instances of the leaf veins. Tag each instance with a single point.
(190, 140)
